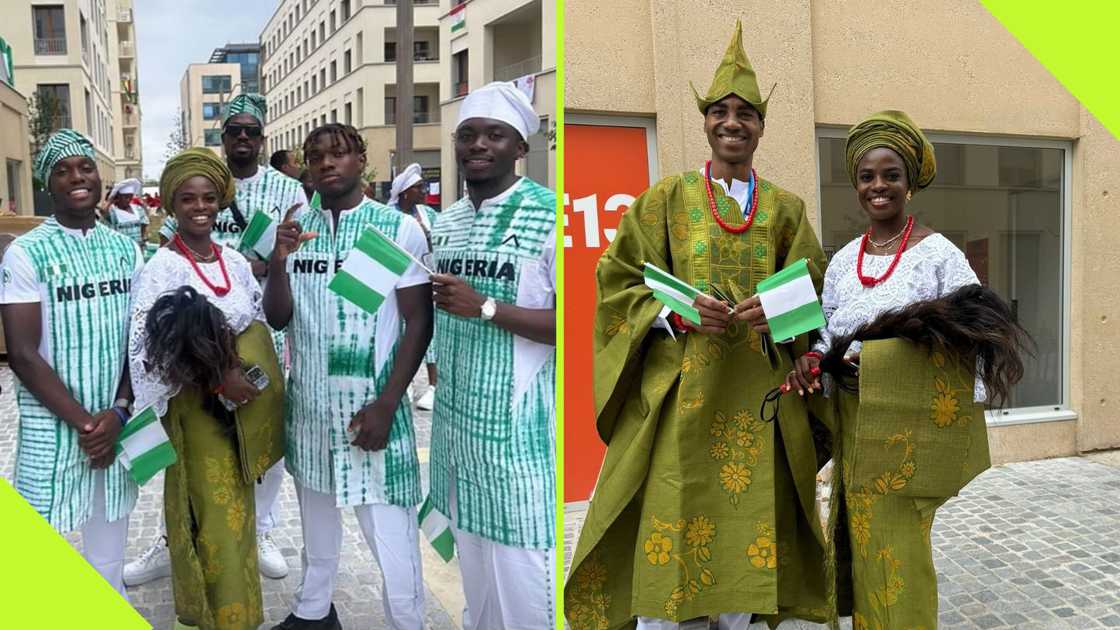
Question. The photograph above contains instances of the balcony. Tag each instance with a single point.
(532, 65)
(50, 45)
(130, 119)
(127, 49)
(124, 15)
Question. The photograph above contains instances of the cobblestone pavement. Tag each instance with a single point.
(1026, 545)
(358, 588)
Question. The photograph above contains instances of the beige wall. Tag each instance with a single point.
(364, 89)
(124, 62)
(15, 145)
(191, 99)
(950, 65)
(492, 43)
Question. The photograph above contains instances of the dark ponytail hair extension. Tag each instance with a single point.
(971, 323)
(189, 341)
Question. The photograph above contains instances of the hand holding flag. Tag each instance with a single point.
(786, 304)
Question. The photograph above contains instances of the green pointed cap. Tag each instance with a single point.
(734, 76)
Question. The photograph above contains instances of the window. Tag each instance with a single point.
(346, 62)
(55, 97)
(1006, 213)
(313, 44)
(348, 117)
(334, 115)
(345, 6)
(89, 116)
(536, 161)
(314, 84)
(322, 77)
(334, 27)
(422, 50)
(212, 137)
(334, 71)
(13, 171)
(420, 113)
(215, 84)
(322, 31)
(390, 51)
(50, 29)
(459, 73)
(83, 27)
(211, 111)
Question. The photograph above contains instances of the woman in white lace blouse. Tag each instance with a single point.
(197, 331)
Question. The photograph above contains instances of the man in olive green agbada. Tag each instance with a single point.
(703, 508)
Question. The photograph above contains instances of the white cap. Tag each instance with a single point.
(501, 100)
(408, 178)
(129, 186)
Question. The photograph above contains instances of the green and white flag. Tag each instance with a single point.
(259, 236)
(371, 270)
(790, 302)
(673, 292)
(143, 446)
(437, 529)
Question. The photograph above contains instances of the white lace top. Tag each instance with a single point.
(932, 268)
(165, 272)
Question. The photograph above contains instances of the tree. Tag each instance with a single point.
(177, 140)
(44, 117)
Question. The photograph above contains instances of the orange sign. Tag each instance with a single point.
(605, 168)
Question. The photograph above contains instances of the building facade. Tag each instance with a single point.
(1024, 171)
(15, 153)
(335, 61)
(81, 55)
(206, 88)
(499, 40)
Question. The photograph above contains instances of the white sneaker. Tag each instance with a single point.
(427, 400)
(153, 564)
(271, 560)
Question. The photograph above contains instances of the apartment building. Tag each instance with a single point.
(15, 148)
(205, 89)
(335, 61)
(81, 54)
(498, 40)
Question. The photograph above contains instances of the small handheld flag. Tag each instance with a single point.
(672, 292)
(371, 270)
(437, 529)
(143, 446)
(259, 236)
(789, 300)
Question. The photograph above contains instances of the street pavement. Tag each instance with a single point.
(358, 588)
(1031, 545)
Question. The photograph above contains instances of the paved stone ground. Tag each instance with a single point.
(358, 589)
(1026, 545)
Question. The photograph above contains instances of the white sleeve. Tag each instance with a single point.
(954, 271)
(548, 265)
(828, 305)
(19, 284)
(243, 275)
(411, 237)
(156, 278)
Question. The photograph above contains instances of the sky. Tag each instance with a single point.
(171, 34)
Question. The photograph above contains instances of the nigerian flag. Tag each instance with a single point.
(371, 270)
(437, 529)
(789, 300)
(143, 446)
(259, 236)
(673, 292)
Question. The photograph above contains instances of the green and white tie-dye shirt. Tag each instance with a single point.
(341, 359)
(83, 283)
(494, 422)
(129, 222)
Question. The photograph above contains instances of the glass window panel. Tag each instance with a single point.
(1003, 207)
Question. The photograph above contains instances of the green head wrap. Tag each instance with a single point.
(734, 76)
(62, 144)
(188, 164)
(252, 104)
(895, 131)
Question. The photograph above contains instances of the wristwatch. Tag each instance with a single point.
(124, 404)
(489, 309)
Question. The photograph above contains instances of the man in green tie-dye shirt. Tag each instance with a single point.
(494, 423)
(64, 298)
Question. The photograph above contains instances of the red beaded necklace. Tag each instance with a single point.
(218, 291)
(868, 281)
(738, 229)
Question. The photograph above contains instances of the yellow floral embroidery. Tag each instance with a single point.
(235, 518)
(693, 403)
(586, 605)
(736, 440)
(657, 548)
(860, 525)
(679, 225)
(232, 615)
(699, 532)
(945, 407)
(618, 325)
(888, 595)
(763, 552)
(863, 499)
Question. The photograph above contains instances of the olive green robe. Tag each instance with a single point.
(702, 507)
(209, 500)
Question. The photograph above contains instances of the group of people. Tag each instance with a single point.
(198, 334)
(707, 505)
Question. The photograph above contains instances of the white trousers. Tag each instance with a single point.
(506, 588)
(392, 533)
(727, 621)
(103, 542)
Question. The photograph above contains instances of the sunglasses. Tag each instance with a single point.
(234, 131)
